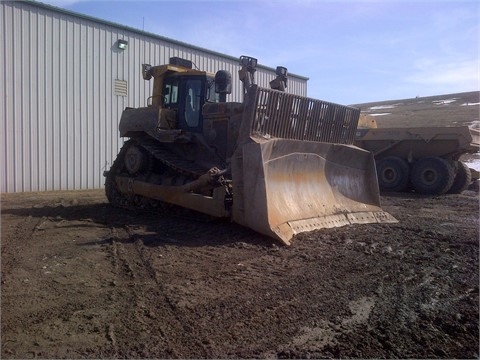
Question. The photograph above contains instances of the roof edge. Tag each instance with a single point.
(140, 32)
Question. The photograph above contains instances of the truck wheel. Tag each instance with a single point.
(432, 175)
(463, 178)
(393, 174)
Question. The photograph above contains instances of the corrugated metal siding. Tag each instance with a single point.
(57, 78)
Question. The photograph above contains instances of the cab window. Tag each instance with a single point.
(211, 95)
(193, 105)
(170, 92)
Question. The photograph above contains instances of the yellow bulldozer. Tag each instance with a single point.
(278, 163)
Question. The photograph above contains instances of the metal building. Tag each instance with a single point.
(64, 81)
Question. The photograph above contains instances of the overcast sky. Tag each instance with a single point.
(351, 51)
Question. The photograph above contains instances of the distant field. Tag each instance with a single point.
(442, 110)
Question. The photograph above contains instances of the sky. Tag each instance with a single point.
(352, 51)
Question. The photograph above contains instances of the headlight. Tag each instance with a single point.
(147, 71)
(281, 71)
(248, 61)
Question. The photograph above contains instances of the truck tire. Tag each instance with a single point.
(432, 175)
(393, 174)
(462, 180)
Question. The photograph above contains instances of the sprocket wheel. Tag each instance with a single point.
(137, 160)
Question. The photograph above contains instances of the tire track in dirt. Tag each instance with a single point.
(58, 313)
(12, 256)
(22, 231)
(145, 311)
(212, 286)
(189, 275)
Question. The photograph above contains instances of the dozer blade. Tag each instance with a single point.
(287, 187)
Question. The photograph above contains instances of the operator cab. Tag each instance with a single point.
(186, 94)
(183, 90)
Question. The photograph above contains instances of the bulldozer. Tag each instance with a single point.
(278, 163)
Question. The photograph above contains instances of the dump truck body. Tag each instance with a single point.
(417, 143)
(424, 158)
(278, 163)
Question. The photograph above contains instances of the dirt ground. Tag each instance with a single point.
(83, 280)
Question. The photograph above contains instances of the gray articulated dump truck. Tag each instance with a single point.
(425, 159)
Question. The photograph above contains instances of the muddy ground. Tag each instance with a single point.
(83, 280)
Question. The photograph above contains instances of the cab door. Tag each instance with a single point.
(191, 103)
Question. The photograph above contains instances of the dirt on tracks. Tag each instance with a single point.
(83, 280)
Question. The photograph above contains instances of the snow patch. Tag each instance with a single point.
(470, 104)
(379, 107)
(474, 125)
(473, 164)
(444, 102)
(381, 114)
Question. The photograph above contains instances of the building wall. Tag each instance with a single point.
(59, 103)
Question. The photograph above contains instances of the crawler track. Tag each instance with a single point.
(166, 161)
